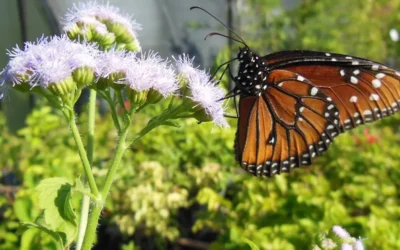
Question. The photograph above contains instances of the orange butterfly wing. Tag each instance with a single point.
(286, 126)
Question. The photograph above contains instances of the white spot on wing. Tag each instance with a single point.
(300, 78)
(376, 83)
(367, 112)
(353, 99)
(354, 80)
(314, 91)
(374, 97)
(380, 75)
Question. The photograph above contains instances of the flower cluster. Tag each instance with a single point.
(49, 61)
(96, 51)
(102, 23)
(338, 237)
(204, 91)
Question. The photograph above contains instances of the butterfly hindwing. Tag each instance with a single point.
(285, 127)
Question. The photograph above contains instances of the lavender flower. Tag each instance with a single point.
(358, 245)
(328, 244)
(150, 71)
(340, 232)
(204, 91)
(115, 62)
(101, 20)
(49, 60)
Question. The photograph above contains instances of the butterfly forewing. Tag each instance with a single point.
(362, 90)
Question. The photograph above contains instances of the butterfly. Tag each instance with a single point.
(293, 104)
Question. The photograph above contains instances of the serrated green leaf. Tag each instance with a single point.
(55, 200)
(59, 237)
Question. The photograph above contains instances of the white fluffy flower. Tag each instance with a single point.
(92, 12)
(47, 61)
(114, 61)
(358, 245)
(204, 91)
(340, 232)
(150, 71)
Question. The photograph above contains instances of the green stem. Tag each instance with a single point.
(114, 114)
(90, 150)
(90, 235)
(171, 113)
(82, 153)
(121, 100)
(91, 125)
(83, 221)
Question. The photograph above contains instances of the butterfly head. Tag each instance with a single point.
(252, 72)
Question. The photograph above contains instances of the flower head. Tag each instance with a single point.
(340, 232)
(114, 61)
(204, 91)
(48, 60)
(150, 71)
(101, 20)
(358, 245)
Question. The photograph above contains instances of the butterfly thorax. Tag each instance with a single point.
(252, 75)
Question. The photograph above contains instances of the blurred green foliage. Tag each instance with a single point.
(184, 182)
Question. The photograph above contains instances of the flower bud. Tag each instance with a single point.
(136, 97)
(121, 32)
(154, 96)
(133, 46)
(64, 87)
(72, 30)
(83, 76)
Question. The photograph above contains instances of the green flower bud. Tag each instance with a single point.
(63, 88)
(133, 46)
(72, 31)
(154, 96)
(136, 97)
(121, 32)
(83, 76)
(86, 33)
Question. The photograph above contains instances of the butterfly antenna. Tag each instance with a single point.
(219, 34)
(197, 7)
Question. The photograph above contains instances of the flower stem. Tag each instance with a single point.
(82, 153)
(90, 146)
(90, 235)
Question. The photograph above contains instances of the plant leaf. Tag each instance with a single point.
(55, 200)
(60, 238)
